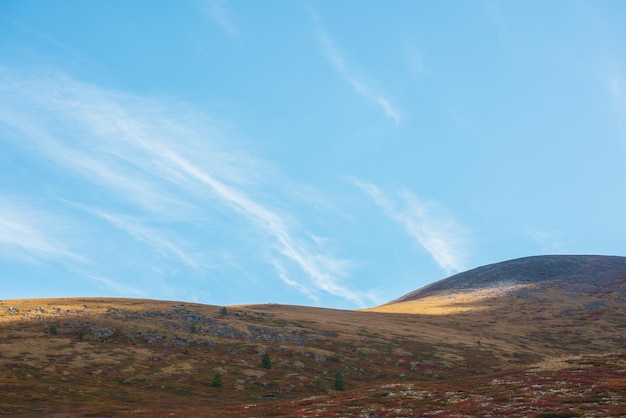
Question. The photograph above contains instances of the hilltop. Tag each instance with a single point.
(588, 271)
(482, 343)
(556, 283)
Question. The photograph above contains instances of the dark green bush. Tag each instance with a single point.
(339, 381)
(217, 380)
(266, 361)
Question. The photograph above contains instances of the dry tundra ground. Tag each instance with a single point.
(537, 350)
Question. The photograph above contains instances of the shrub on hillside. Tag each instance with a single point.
(266, 361)
(217, 380)
(320, 384)
(339, 381)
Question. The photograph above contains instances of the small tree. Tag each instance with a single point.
(224, 311)
(217, 380)
(266, 361)
(53, 329)
(320, 384)
(338, 381)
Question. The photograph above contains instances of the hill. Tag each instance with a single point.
(534, 346)
(588, 271)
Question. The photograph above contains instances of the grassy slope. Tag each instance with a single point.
(531, 350)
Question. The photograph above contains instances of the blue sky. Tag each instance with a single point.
(323, 153)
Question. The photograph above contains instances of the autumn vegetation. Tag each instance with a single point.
(538, 350)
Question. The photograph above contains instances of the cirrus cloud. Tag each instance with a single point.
(166, 176)
(427, 222)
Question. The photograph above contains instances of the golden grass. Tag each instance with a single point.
(447, 304)
(569, 362)
(428, 306)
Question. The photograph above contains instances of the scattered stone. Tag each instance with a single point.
(105, 333)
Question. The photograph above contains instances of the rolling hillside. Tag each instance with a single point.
(529, 337)
(591, 272)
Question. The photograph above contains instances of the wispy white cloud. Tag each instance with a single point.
(164, 245)
(349, 73)
(117, 287)
(415, 61)
(29, 233)
(614, 79)
(551, 242)
(220, 12)
(163, 162)
(283, 274)
(616, 87)
(45, 37)
(324, 270)
(428, 223)
(495, 14)
(509, 39)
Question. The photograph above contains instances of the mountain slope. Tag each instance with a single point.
(590, 271)
(520, 338)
